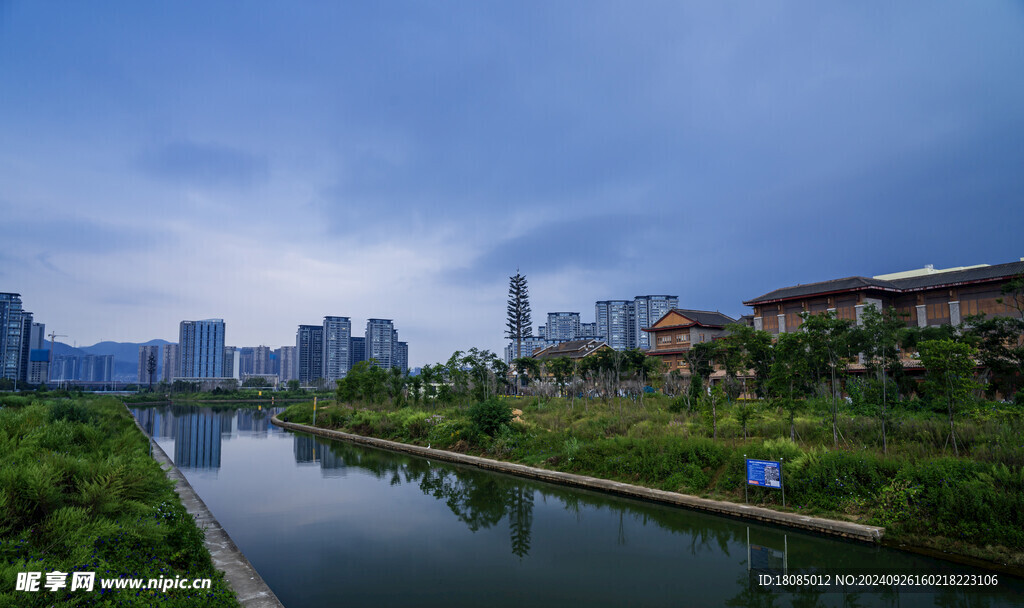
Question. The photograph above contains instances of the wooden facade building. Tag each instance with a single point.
(678, 330)
(925, 297)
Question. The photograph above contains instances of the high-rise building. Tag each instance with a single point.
(309, 352)
(232, 365)
(615, 323)
(96, 368)
(201, 348)
(247, 360)
(64, 369)
(562, 326)
(380, 342)
(358, 350)
(12, 336)
(37, 337)
(145, 353)
(337, 333)
(261, 361)
(171, 361)
(39, 355)
(531, 344)
(588, 331)
(286, 364)
(647, 310)
(26, 346)
(401, 360)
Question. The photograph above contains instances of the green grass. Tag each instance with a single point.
(79, 492)
(972, 504)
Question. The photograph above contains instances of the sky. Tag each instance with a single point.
(270, 163)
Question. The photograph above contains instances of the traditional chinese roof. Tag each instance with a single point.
(574, 349)
(703, 318)
(935, 280)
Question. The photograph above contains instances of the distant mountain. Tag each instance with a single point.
(126, 355)
(122, 351)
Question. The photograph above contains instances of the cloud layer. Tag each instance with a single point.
(271, 165)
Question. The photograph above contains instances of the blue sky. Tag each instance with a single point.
(272, 163)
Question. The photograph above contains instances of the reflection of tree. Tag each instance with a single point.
(479, 500)
(520, 520)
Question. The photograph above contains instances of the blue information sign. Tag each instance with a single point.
(764, 473)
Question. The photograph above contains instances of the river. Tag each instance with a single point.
(328, 523)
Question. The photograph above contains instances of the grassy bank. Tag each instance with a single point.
(971, 505)
(80, 493)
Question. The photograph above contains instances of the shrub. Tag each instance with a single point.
(488, 416)
(70, 411)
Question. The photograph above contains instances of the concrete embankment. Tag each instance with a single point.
(872, 534)
(248, 585)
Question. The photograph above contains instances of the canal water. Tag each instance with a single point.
(328, 523)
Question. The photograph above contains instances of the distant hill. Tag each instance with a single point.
(126, 355)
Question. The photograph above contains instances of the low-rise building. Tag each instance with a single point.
(573, 349)
(678, 330)
(925, 297)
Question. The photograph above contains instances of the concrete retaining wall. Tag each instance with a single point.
(248, 585)
(872, 534)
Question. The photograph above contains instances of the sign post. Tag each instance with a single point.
(765, 474)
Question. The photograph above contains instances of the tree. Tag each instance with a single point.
(828, 341)
(395, 382)
(293, 385)
(1000, 349)
(757, 354)
(255, 382)
(789, 379)
(151, 368)
(519, 324)
(430, 376)
(949, 376)
(700, 359)
(528, 368)
(715, 396)
(1014, 292)
(560, 368)
(744, 414)
(878, 339)
(729, 355)
(415, 387)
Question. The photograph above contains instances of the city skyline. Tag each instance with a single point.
(265, 165)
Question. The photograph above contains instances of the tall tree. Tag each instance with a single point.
(828, 341)
(789, 380)
(949, 377)
(151, 368)
(879, 340)
(519, 323)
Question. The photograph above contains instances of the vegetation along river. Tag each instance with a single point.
(333, 524)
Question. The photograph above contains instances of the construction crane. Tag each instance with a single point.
(49, 365)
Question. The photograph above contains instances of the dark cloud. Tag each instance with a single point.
(209, 165)
(605, 242)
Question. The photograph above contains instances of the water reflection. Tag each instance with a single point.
(199, 432)
(197, 441)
